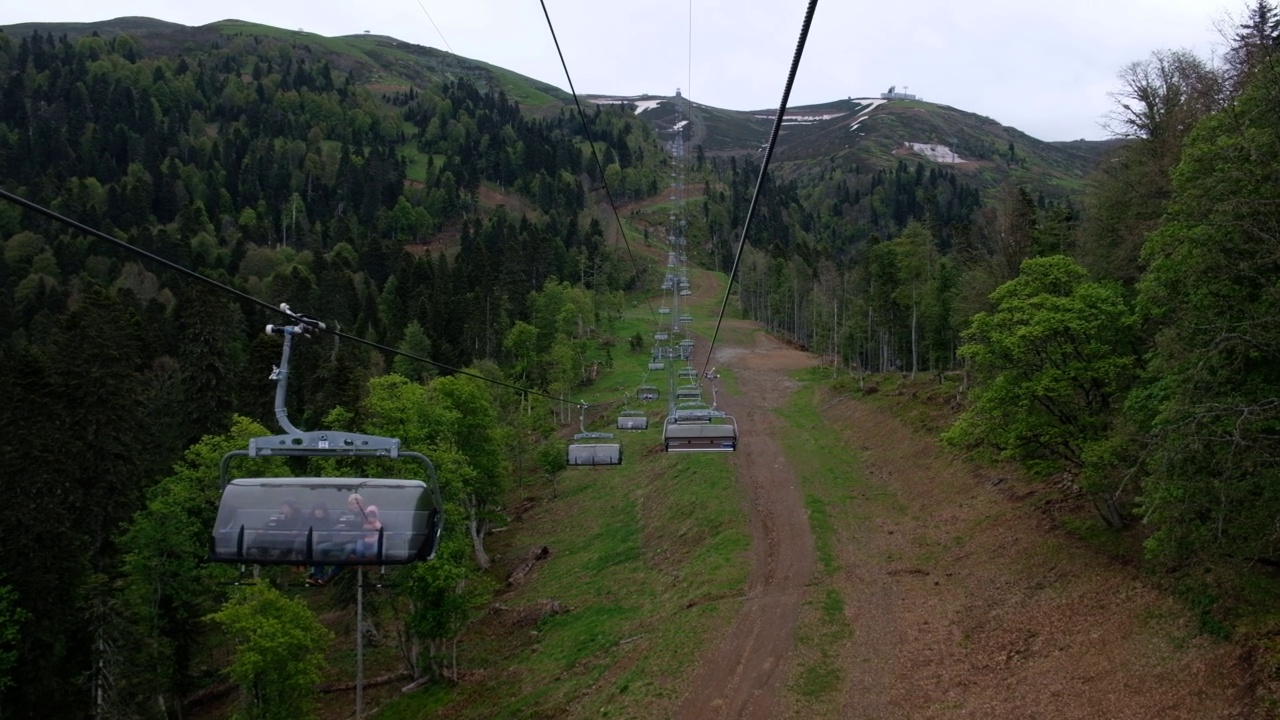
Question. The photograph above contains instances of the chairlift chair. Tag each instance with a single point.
(657, 365)
(664, 311)
(648, 392)
(688, 392)
(686, 319)
(661, 336)
(687, 373)
(633, 420)
(700, 430)
(590, 448)
(583, 451)
(268, 521)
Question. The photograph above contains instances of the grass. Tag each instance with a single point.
(830, 481)
(648, 557)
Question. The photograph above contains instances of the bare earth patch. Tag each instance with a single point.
(744, 675)
(964, 599)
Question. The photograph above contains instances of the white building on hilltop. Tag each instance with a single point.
(891, 95)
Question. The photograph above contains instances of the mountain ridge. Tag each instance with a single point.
(849, 133)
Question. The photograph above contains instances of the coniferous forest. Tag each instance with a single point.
(1122, 340)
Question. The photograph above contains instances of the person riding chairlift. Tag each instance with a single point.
(365, 546)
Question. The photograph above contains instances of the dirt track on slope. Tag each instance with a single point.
(965, 599)
(744, 675)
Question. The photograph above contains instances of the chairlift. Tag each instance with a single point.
(657, 365)
(687, 372)
(686, 319)
(700, 430)
(664, 311)
(661, 336)
(688, 392)
(588, 448)
(633, 420)
(648, 392)
(377, 521)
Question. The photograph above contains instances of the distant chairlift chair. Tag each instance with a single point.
(633, 420)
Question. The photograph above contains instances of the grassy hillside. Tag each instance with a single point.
(883, 135)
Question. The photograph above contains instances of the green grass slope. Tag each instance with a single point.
(825, 133)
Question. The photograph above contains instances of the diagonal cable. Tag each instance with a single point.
(600, 166)
(433, 24)
(764, 168)
(92, 232)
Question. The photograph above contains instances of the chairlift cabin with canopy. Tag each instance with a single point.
(633, 420)
(699, 430)
(370, 521)
(688, 392)
(592, 448)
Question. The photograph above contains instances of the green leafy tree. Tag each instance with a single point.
(11, 620)
(416, 343)
(167, 584)
(278, 654)
(443, 598)
(1210, 399)
(1053, 361)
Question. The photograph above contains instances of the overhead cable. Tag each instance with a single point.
(599, 165)
(764, 168)
(92, 232)
(433, 24)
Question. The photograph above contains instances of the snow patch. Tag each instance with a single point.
(936, 153)
(804, 119)
(872, 104)
(678, 125)
(641, 105)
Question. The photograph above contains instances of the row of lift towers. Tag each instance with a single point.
(692, 424)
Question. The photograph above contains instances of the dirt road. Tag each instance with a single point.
(964, 599)
(743, 676)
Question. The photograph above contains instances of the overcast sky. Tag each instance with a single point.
(1043, 67)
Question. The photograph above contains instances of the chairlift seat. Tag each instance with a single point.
(580, 454)
(688, 392)
(717, 436)
(648, 392)
(633, 420)
(250, 529)
(583, 452)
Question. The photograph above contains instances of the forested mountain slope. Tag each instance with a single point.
(1114, 335)
(295, 173)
